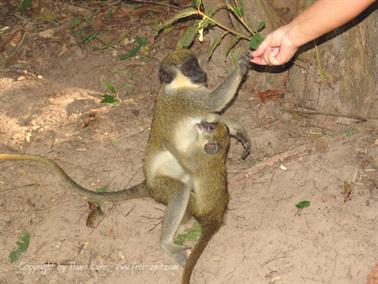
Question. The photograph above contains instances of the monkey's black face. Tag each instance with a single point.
(165, 76)
(190, 68)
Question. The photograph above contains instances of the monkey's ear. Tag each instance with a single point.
(165, 76)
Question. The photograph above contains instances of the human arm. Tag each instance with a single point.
(319, 18)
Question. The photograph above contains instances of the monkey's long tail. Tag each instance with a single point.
(208, 231)
(137, 191)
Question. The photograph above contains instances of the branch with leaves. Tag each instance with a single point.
(205, 20)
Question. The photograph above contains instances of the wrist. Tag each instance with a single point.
(295, 36)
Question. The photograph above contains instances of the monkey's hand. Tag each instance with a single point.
(244, 63)
(247, 149)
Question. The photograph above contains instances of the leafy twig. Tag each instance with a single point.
(221, 25)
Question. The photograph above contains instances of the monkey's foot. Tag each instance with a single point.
(178, 252)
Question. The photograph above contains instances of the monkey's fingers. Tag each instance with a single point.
(245, 63)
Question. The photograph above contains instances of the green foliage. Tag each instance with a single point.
(109, 99)
(25, 5)
(255, 41)
(141, 42)
(215, 44)
(102, 189)
(191, 234)
(260, 26)
(303, 204)
(108, 86)
(188, 37)
(111, 96)
(75, 22)
(22, 246)
(197, 3)
(185, 13)
(207, 21)
(237, 10)
(88, 38)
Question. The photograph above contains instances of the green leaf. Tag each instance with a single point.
(25, 5)
(102, 189)
(22, 246)
(141, 41)
(303, 204)
(89, 38)
(347, 133)
(214, 45)
(191, 234)
(110, 87)
(75, 22)
(237, 10)
(109, 99)
(204, 23)
(260, 26)
(115, 141)
(184, 13)
(255, 41)
(135, 6)
(197, 3)
(188, 37)
(130, 54)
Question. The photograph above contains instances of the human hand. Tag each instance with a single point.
(278, 47)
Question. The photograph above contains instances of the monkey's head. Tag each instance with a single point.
(214, 137)
(181, 68)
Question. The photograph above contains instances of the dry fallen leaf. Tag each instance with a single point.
(16, 38)
(270, 95)
(91, 117)
(47, 33)
(94, 213)
(347, 191)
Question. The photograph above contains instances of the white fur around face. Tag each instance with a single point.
(181, 81)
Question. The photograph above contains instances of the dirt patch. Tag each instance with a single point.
(265, 239)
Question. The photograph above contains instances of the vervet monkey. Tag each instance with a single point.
(175, 174)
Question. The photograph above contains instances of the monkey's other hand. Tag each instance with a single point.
(247, 149)
(244, 63)
(243, 138)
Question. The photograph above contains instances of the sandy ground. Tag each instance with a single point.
(265, 238)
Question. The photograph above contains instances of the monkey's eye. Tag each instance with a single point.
(190, 67)
(207, 126)
(165, 76)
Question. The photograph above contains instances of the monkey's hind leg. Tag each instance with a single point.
(177, 198)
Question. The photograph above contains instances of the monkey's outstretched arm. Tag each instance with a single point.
(225, 92)
(137, 191)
